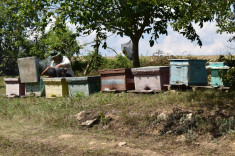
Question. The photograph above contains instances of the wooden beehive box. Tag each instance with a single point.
(188, 72)
(117, 79)
(151, 78)
(14, 87)
(28, 69)
(216, 69)
(35, 88)
(83, 85)
(56, 87)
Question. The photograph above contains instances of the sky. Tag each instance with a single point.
(174, 43)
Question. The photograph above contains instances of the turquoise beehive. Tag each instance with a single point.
(188, 72)
(83, 85)
(217, 69)
(35, 88)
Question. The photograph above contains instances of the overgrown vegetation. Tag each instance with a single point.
(98, 62)
(168, 114)
(139, 113)
(229, 75)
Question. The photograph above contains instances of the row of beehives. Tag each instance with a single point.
(153, 78)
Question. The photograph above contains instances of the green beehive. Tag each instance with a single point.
(217, 68)
(83, 85)
(35, 88)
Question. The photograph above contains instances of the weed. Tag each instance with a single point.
(191, 135)
(79, 95)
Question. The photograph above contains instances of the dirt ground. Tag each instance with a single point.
(24, 138)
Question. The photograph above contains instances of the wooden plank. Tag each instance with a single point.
(143, 91)
(208, 87)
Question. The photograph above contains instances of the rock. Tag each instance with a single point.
(85, 117)
(111, 116)
(89, 123)
(155, 132)
(122, 144)
(91, 143)
(163, 116)
(189, 116)
(105, 127)
(181, 138)
(169, 132)
(81, 115)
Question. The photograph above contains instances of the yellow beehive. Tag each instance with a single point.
(56, 87)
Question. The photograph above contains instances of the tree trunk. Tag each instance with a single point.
(95, 54)
(136, 61)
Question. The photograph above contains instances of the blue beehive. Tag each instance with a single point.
(188, 72)
(216, 69)
(35, 88)
(87, 85)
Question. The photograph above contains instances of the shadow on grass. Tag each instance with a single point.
(212, 99)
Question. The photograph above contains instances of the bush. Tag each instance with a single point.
(98, 62)
(229, 76)
(119, 61)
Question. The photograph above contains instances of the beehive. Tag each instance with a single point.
(151, 78)
(35, 88)
(14, 87)
(117, 79)
(188, 72)
(216, 69)
(56, 87)
(83, 85)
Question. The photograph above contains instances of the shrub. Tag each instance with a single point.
(119, 61)
(229, 76)
(98, 62)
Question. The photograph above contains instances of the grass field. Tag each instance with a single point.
(40, 126)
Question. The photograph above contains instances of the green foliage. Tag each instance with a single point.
(191, 135)
(20, 36)
(79, 95)
(13, 36)
(119, 61)
(225, 125)
(58, 38)
(229, 75)
(134, 18)
(62, 40)
(99, 62)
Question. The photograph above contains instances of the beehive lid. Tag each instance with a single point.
(12, 79)
(217, 64)
(149, 70)
(115, 71)
(186, 60)
(54, 79)
(82, 79)
(28, 69)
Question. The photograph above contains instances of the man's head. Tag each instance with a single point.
(55, 55)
